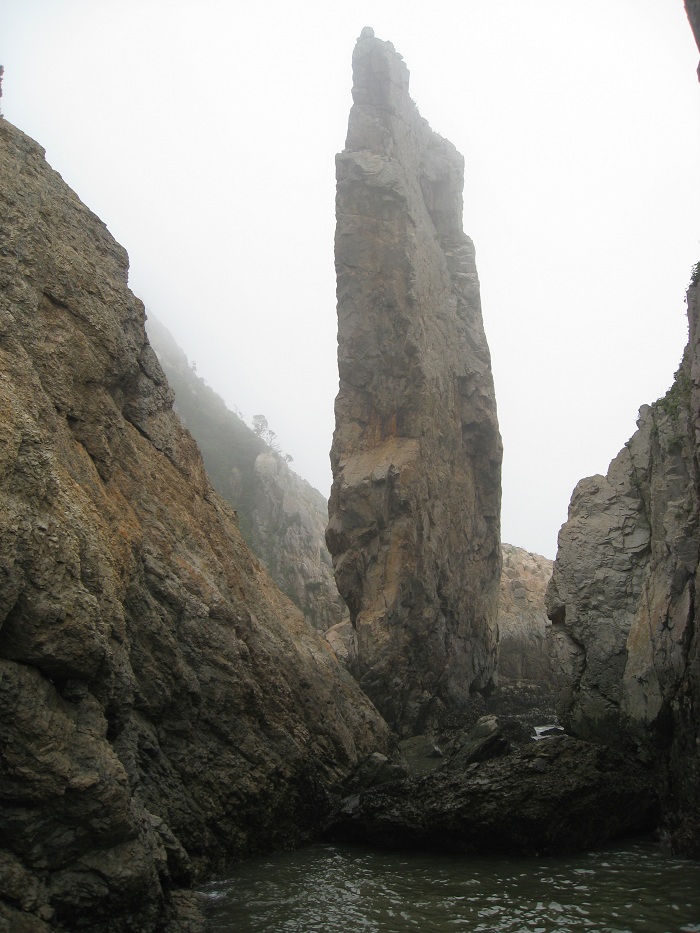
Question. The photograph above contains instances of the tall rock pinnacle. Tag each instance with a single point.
(416, 457)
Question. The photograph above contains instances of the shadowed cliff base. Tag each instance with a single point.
(546, 798)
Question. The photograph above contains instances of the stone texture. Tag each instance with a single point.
(162, 705)
(416, 456)
(525, 672)
(624, 593)
(555, 796)
(289, 521)
(282, 517)
(523, 648)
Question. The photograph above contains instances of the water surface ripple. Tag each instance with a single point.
(635, 888)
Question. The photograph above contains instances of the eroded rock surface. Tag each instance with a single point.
(162, 705)
(289, 519)
(416, 456)
(549, 797)
(523, 652)
(282, 517)
(624, 595)
(525, 673)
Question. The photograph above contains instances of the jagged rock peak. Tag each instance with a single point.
(416, 456)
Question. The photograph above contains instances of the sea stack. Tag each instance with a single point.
(414, 526)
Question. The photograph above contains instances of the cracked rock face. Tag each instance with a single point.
(545, 798)
(414, 512)
(282, 517)
(624, 593)
(523, 651)
(162, 705)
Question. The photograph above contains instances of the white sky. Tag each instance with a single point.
(203, 133)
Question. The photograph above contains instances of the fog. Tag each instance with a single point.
(203, 133)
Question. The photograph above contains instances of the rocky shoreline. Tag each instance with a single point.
(166, 711)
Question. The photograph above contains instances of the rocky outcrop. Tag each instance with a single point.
(523, 650)
(524, 656)
(416, 456)
(282, 517)
(546, 798)
(162, 705)
(623, 598)
(525, 694)
(289, 520)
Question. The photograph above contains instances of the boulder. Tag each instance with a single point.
(550, 797)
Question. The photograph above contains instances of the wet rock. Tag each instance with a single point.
(421, 753)
(486, 740)
(550, 797)
(416, 456)
(375, 770)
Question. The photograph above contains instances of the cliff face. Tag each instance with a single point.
(416, 456)
(162, 705)
(523, 648)
(282, 517)
(288, 533)
(624, 593)
(524, 655)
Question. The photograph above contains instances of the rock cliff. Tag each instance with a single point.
(523, 652)
(545, 798)
(162, 705)
(524, 655)
(692, 8)
(282, 517)
(624, 594)
(416, 455)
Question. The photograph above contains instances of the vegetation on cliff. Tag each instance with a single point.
(281, 516)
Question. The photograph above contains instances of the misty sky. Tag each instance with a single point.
(203, 133)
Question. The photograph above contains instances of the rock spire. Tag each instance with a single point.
(416, 456)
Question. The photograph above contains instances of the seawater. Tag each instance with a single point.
(631, 888)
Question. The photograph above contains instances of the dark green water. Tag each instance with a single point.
(636, 888)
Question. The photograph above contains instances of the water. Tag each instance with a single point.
(637, 888)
